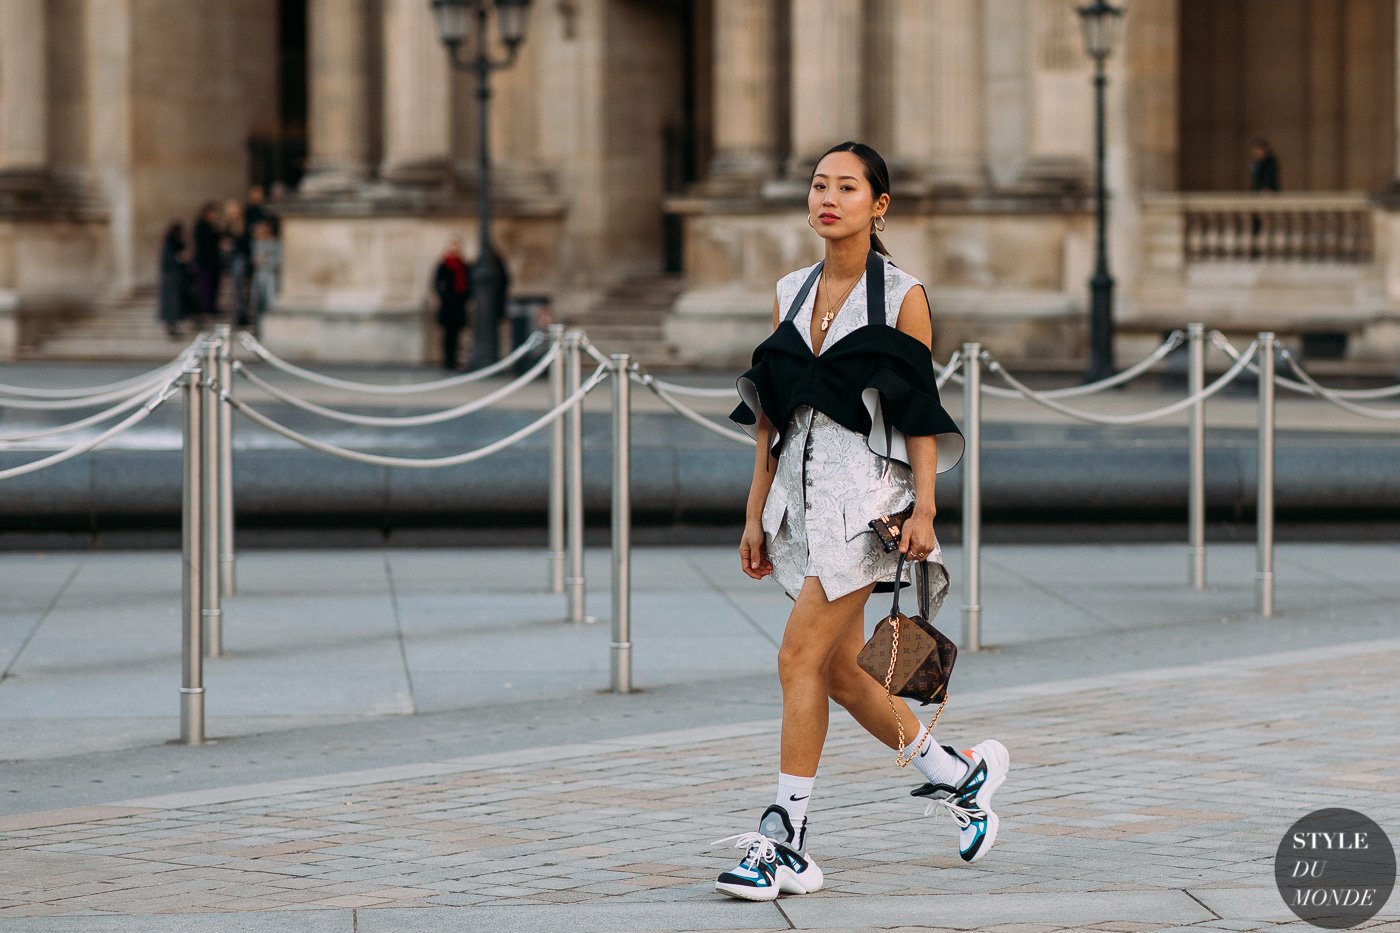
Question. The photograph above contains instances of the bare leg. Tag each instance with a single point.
(814, 629)
(862, 696)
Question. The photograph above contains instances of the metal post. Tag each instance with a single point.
(486, 276)
(1264, 571)
(228, 562)
(1196, 433)
(192, 535)
(972, 497)
(1101, 364)
(556, 466)
(621, 524)
(209, 488)
(574, 581)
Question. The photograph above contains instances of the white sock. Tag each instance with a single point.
(793, 795)
(935, 763)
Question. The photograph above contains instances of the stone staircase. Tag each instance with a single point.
(122, 330)
(630, 317)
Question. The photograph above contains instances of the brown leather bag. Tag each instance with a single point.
(910, 657)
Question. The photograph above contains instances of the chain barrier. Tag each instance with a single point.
(253, 414)
(1173, 341)
(370, 388)
(405, 421)
(1313, 387)
(587, 346)
(89, 401)
(1222, 343)
(640, 375)
(25, 437)
(944, 374)
(1040, 398)
(151, 403)
(133, 383)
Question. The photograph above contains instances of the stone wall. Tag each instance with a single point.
(1013, 280)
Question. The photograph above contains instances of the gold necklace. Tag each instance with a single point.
(832, 308)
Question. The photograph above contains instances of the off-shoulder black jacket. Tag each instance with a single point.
(877, 381)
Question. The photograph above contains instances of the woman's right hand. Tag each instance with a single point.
(753, 556)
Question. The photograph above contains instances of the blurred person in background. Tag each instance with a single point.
(267, 269)
(237, 247)
(208, 261)
(175, 298)
(452, 286)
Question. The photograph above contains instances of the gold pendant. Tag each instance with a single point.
(826, 321)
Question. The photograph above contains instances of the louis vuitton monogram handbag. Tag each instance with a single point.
(910, 657)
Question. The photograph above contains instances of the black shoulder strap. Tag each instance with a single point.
(802, 292)
(874, 288)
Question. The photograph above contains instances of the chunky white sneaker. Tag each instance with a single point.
(970, 802)
(773, 863)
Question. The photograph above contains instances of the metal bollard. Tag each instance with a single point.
(972, 497)
(1196, 441)
(574, 580)
(228, 561)
(621, 524)
(556, 466)
(1264, 510)
(192, 544)
(212, 611)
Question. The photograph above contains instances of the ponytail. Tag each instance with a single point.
(878, 246)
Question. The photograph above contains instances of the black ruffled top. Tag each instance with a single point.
(873, 381)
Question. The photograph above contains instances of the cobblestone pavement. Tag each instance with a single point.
(1143, 801)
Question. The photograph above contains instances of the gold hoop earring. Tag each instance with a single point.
(809, 221)
(878, 224)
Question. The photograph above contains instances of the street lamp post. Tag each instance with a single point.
(454, 21)
(1102, 24)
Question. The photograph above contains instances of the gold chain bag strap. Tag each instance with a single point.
(910, 657)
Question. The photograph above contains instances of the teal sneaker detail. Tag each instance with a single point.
(970, 802)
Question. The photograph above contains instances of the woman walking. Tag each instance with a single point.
(843, 395)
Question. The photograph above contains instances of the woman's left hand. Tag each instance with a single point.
(916, 539)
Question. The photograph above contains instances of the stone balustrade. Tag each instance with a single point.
(1310, 228)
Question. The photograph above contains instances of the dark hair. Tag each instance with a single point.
(876, 172)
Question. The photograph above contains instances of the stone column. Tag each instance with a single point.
(826, 78)
(744, 88)
(24, 92)
(1006, 52)
(338, 68)
(938, 127)
(1395, 185)
(417, 86)
(1062, 96)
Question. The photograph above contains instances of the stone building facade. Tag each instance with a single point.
(654, 153)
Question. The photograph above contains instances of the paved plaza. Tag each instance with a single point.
(413, 741)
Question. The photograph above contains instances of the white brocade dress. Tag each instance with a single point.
(830, 483)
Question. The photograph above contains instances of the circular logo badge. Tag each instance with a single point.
(1335, 868)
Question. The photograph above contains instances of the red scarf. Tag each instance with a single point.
(459, 270)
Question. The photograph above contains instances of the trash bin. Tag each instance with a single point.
(528, 314)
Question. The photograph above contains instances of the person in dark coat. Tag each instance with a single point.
(452, 285)
(208, 260)
(1263, 170)
(255, 209)
(237, 247)
(174, 279)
